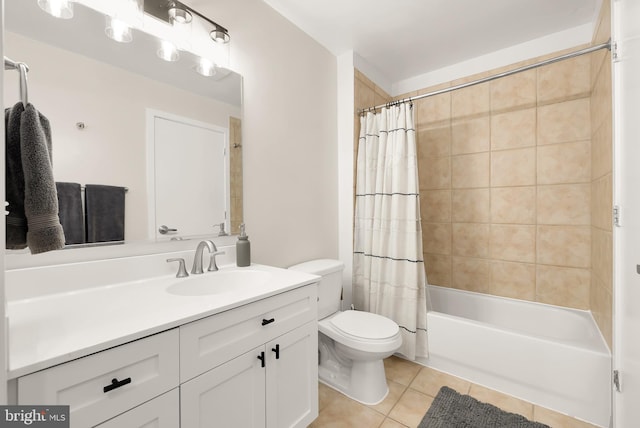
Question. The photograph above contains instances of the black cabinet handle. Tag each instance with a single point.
(261, 358)
(265, 321)
(115, 383)
(277, 351)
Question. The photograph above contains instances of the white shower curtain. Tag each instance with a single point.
(388, 268)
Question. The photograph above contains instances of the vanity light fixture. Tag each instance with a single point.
(175, 12)
(168, 51)
(125, 15)
(219, 34)
(205, 67)
(58, 8)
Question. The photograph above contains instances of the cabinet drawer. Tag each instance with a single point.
(161, 412)
(211, 341)
(143, 369)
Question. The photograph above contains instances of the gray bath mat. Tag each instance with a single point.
(453, 410)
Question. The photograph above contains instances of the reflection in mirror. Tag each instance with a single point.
(96, 94)
(190, 174)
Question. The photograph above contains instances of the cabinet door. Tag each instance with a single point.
(231, 395)
(292, 378)
(161, 412)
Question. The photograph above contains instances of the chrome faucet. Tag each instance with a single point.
(197, 260)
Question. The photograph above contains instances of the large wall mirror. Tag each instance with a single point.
(98, 95)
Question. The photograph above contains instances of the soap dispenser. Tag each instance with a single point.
(243, 249)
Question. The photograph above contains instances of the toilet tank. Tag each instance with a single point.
(330, 286)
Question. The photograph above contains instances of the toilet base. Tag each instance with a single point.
(363, 381)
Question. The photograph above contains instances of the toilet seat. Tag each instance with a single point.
(353, 336)
(364, 325)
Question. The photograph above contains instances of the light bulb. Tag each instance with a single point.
(58, 8)
(122, 16)
(118, 30)
(206, 67)
(168, 51)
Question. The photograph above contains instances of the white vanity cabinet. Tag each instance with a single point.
(251, 365)
(254, 366)
(103, 385)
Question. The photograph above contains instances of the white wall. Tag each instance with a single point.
(289, 133)
(70, 88)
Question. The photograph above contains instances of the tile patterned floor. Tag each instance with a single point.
(412, 388)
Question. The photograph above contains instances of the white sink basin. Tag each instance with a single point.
(220, 282)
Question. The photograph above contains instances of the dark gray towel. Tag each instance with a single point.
(71, 214)
(16, 229)
(44, 232)
(30, 190)
(104, 213)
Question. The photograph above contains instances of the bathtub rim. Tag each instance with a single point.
(602, 346)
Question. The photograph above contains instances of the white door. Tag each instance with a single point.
(627, 196)
(231, 395)
(292, 378)
(190, 176)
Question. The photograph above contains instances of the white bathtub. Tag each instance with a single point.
(551, 356)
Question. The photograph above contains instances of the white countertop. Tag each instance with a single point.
(56, 328)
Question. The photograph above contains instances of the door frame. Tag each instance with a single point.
(626, 291)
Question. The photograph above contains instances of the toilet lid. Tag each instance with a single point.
(365, 325)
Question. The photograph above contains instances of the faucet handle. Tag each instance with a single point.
(182, 270)
(212, 261)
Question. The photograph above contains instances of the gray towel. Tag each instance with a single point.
(71, 215)
(44, 232)
(104, 213)
(16, 228)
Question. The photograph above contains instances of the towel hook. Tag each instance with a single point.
(24, 90)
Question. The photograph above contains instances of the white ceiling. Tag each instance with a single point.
(407, 38)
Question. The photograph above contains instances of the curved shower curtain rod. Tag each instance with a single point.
(584, 51)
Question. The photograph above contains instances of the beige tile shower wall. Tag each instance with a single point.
(506, 185)
(601, 297)
(235, 165)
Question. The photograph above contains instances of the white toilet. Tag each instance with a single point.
(351, 344)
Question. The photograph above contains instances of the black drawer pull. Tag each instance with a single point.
(277, 351)
(261, 358)
(115, 383)
(265, 322)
